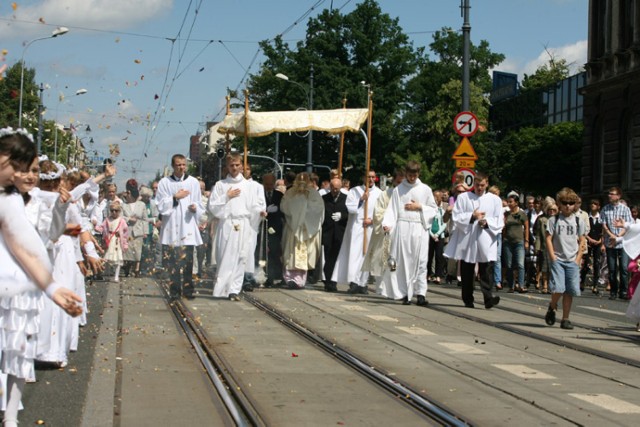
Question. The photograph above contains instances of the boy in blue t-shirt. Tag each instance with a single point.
(565, 240)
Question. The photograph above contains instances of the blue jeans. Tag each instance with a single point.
(618, 261)
(514, 257)
(497, 265)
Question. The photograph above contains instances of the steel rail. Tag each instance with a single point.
(238, 405)
(433, 410)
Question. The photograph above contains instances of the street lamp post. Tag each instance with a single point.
(57, 32)
(309, 92)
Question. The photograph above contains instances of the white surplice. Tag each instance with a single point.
(469, 242)
(255, 221)
(179, 224)
(348, 267)
(233, 232)
(409, 240)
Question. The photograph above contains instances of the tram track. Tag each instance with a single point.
(465, 372)
(379, 373)
(367, 369)
(238, 405)
(546, 338)
(429, 407)
(220, 372)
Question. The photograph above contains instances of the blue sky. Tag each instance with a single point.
(120, 52)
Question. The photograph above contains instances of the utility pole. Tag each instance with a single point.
(40, 109)
(310, 136)
(466, 37)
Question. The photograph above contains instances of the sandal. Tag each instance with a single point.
(544, 290)
(594, 290)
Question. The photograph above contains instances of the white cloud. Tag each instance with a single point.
(94, 14)
(575, 54)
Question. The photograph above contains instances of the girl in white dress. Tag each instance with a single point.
(116, 236)
(23, 260)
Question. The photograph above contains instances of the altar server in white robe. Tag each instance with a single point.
(180, 204)
(234, 202)
(408, 218)
(478, 220)
(348, 268)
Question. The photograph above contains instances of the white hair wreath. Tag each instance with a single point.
(57, 174)
(10, 131)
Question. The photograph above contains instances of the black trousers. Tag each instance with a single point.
(331, 253)
(436, 249)
(180, 265)
(467, 273)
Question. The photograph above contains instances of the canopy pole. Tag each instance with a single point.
(227, 141)
(344, 106)
(368, 162)
(246, 128)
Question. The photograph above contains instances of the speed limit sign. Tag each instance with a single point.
(469, 176)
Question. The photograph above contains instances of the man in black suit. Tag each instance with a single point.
(274, 230)
(335, 222)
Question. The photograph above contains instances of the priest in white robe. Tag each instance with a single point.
(408, 218)
(180, 204)
(233, 201)
(478, 220)
(303, 209)
(348, 268)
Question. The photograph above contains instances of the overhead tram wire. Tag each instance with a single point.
(165, 92)
(286, 30)
(130, 34)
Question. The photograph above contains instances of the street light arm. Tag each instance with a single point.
(57, 32)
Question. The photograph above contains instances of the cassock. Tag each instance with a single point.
(273, 249)
(179, 224)
(301, 239)
(409, 232)
(469, 242)
(349, 264)
(333, 231)
(375, 261)
(233, 232)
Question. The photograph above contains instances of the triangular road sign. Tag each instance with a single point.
(465, 151)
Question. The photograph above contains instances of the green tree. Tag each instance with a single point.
(547, 74)
(10, 95)
(538, 160)
(435, 97)
(344, 50)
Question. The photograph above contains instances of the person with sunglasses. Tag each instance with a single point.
(565, 240)
(617, 259)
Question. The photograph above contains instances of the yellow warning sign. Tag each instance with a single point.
(465, 164)
(465, 151)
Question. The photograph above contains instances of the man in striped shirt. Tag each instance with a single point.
(617, 259)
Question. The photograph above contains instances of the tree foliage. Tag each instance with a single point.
(537, 160)
(547, 74)
(365, 45)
